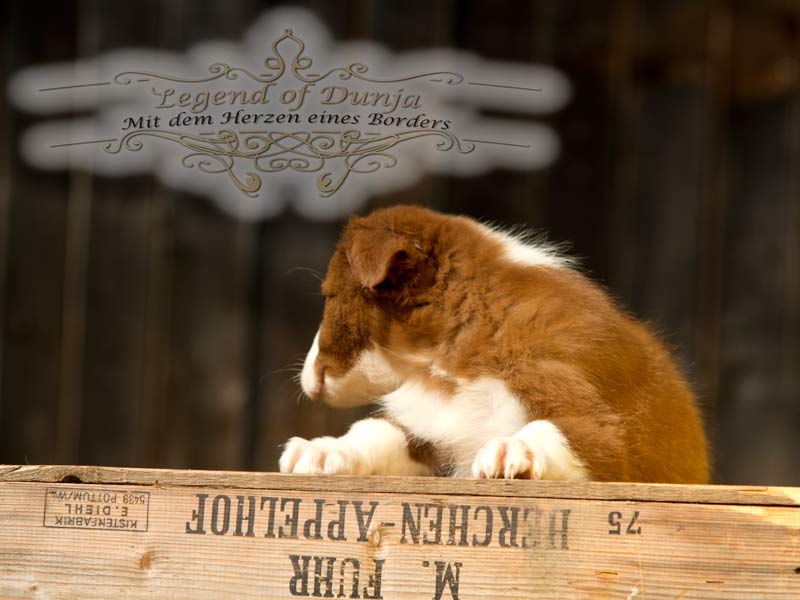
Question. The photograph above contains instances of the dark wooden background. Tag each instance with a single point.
(142, 327)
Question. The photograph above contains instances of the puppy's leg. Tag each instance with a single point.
(370, 447)
(537, 451)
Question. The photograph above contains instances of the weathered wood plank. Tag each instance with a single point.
(125, 279)
(209, 259)
(6, 168)
(34, 263)
(203, 420)
(673, 125)
(503, 196)
(308, 538)
(147, 371)
(711, 231)
(707, 494)
(589, 44)
(759, 396)
(791, 296)
(394, 26)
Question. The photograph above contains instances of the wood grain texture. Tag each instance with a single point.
(583, 203)
(673, 119)
(142, 326)
(485, 29)
(6, 168)
(210, 262)
(758, 396)
(36, 219)
(696, 494)
(122, 289)
(235, 535)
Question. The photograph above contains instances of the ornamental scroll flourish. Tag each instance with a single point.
(299, 65)
(301, 151)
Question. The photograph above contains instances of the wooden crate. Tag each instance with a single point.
(93, 532)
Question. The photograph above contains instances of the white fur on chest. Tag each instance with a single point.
(457, 425)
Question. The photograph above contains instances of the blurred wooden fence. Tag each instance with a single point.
(142, 327)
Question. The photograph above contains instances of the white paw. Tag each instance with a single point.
(325, 455)
(507, 458)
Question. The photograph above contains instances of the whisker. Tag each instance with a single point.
(314, 272)
(291, 368)
(296, 366)
(299, 396)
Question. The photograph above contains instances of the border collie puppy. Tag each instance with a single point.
(487, 356)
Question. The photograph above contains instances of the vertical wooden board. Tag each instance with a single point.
(203, 422)
(756, 402)
(756, 436)
(669, 194)
(396, 27)
(125, 238)
(334, 15)
(187, 22)
(116, 304)
(711, 231)
(35, 256)
(202, 399)
(791, 304)
(7, 152)
(673, 130)
(580, 201)
(508, 32)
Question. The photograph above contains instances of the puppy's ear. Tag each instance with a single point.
(380, 258)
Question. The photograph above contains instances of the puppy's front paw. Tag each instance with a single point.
(507, 458)
(326, 455)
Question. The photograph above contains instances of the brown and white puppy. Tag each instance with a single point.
(487, 356)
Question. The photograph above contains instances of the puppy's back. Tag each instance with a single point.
(567, 351)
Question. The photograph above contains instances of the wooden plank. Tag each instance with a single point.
(203, 422)
(208, 260)
(76, 249)
(6, 168)
(712, 220)
(34, 263)
(625, 101)
(122, 279)
(759, 399)
(76, 261)
(510, 32)
(394, 27)
(589, 43)
(674, 112)
(397, 25)
(307, 539)
(218, 20)
(791, 298)
(697, 494)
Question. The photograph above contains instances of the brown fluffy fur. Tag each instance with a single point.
(417, 282)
